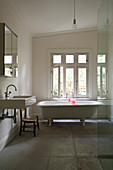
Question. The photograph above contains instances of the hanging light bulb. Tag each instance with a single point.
(107, 24)
(74, 24)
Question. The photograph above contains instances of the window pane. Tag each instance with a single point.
(81, 58)
(98, 80)
(16, 72)
(69, 58)
(103, 81)
(55, 81)
(17, 59)
(82, 81)
(8, 59)
(8, 72)
(56, 58)
(69, 80)
(101, 59)
(61, 81)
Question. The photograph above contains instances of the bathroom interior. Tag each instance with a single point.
(66, 144)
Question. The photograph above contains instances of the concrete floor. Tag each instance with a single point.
(64, 146)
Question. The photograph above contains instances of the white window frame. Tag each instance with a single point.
(74, 79)
(58, 81)
(75, 66)
(101, 65)
(87, 88)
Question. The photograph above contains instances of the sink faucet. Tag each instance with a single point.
(8, 93)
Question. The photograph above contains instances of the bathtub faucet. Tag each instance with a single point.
(67, 95)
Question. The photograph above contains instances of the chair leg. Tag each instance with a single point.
(37, 122)
(20, 129)
(24, 126)
(20, 121)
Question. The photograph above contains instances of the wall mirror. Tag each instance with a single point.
(8, 52)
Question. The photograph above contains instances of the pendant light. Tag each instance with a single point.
(74, 25)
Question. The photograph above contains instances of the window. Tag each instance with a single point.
(69, 81)
(101, 58)
(69, 75)
(7, 59)
(82, 81)
(101, 75)
(56, 59)
(55, 81)
(81, 58)
(69, 58)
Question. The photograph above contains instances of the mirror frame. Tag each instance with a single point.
(2, 49)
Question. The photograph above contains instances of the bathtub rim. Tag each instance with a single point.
(68, 104)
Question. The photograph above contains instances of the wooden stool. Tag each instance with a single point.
(28, 122)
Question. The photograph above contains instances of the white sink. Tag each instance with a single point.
(17, 102)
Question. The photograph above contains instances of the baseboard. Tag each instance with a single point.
(9, 137)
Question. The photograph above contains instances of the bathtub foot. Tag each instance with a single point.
(83, 121)
(50, 122)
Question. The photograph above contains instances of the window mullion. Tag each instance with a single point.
(64, 76)
(74, 81)
(76, 72)
(52, 83)
(59, 81)
(77, 81)
(101, 81)
(87, 85)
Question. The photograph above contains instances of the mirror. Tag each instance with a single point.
(8, 52)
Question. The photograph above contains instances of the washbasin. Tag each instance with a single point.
(17, 102)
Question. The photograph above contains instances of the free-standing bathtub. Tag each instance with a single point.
(66, 110)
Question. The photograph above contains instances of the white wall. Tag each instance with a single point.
(110, 68)
(41, 47)
(105, 45)
(110, 61)
(24, 81)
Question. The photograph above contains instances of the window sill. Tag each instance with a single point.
(66, 99)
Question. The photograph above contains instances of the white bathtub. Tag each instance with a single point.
(65, 110)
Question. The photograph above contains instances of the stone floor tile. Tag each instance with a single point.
(107, 164)
(85, 145)
(56, 129)
(105, 145)
(62, 146)
(41, 146)
(89, 164)
(88, 129)
(27, 163)
(47, 130)
(62, 163)
(16, 148)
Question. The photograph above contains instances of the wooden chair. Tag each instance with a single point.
(28, 122)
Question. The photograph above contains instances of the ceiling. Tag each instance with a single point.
(54, 16)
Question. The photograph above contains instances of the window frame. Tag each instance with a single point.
(101, 65)
(75, 66)
(78, 95)
(58, 81)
